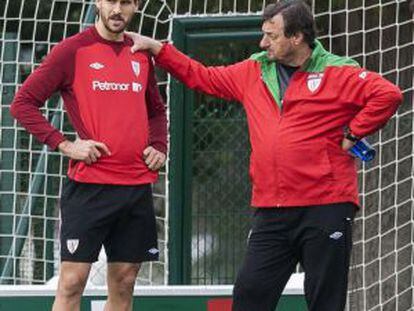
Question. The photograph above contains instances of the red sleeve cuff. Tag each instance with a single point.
(161, 53)
(54, 140)
(160, 147)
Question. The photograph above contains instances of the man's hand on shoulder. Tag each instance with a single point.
(88, 151)
(153, 158)
(144, 43)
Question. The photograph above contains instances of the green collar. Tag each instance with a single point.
(319, 60)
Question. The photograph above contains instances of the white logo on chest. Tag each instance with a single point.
(109, 86)
(314, 81)
(96, 66)
(136, 87)
(114, 86)
(136, 67)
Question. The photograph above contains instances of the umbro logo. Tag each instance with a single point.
(96, 66)
(363, 75)
(153, 251)
(336, 235)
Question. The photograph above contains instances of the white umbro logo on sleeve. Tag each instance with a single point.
(363, 75)
(96, 66)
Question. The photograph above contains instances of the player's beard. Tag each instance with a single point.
(114, 18)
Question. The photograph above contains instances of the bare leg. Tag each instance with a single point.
(72, 281)
(121, 281)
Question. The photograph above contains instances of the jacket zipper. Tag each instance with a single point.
(281, 109)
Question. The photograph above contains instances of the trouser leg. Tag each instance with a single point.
(326, 242)
(267, 266)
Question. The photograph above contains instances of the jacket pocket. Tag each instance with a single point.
(306, 168)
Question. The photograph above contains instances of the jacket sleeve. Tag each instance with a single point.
(37, 88)
(226, 82)
(157, 116)
(377, 100)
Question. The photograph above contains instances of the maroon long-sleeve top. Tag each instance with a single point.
(110, 96)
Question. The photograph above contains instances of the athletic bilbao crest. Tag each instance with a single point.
(72, 245)
(314, 80)
(136, 67)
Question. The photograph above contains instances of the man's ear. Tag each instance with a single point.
(98, 4)
(298, 38)
(138, 4)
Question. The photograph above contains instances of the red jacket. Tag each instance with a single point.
(297, 158)
(110, 96)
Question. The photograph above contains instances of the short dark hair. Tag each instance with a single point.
(97, 10)
(297, 17)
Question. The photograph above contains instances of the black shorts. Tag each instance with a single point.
(121, 218)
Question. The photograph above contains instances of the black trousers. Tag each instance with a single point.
(317, 237)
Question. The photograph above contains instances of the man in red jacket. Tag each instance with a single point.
(298, 99)
(113, 103)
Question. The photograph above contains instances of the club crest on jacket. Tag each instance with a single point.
(314, 80)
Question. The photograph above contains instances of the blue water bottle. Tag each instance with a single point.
(363, 150)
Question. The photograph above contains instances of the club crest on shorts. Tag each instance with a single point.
(72, 245)
(314, 80)
(136, 67)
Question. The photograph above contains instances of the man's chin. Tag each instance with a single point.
(116, 30)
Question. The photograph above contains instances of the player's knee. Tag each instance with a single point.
(124, 284)
(248, 287)
(71, 284)
(250, 294)
(127, 282)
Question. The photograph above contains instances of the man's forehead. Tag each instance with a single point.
(136, 2)
(274, 24)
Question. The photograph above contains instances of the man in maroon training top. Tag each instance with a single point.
(113, 103)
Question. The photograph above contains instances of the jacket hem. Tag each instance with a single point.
(303, 203)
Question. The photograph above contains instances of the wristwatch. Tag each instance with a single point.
(351, 137)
